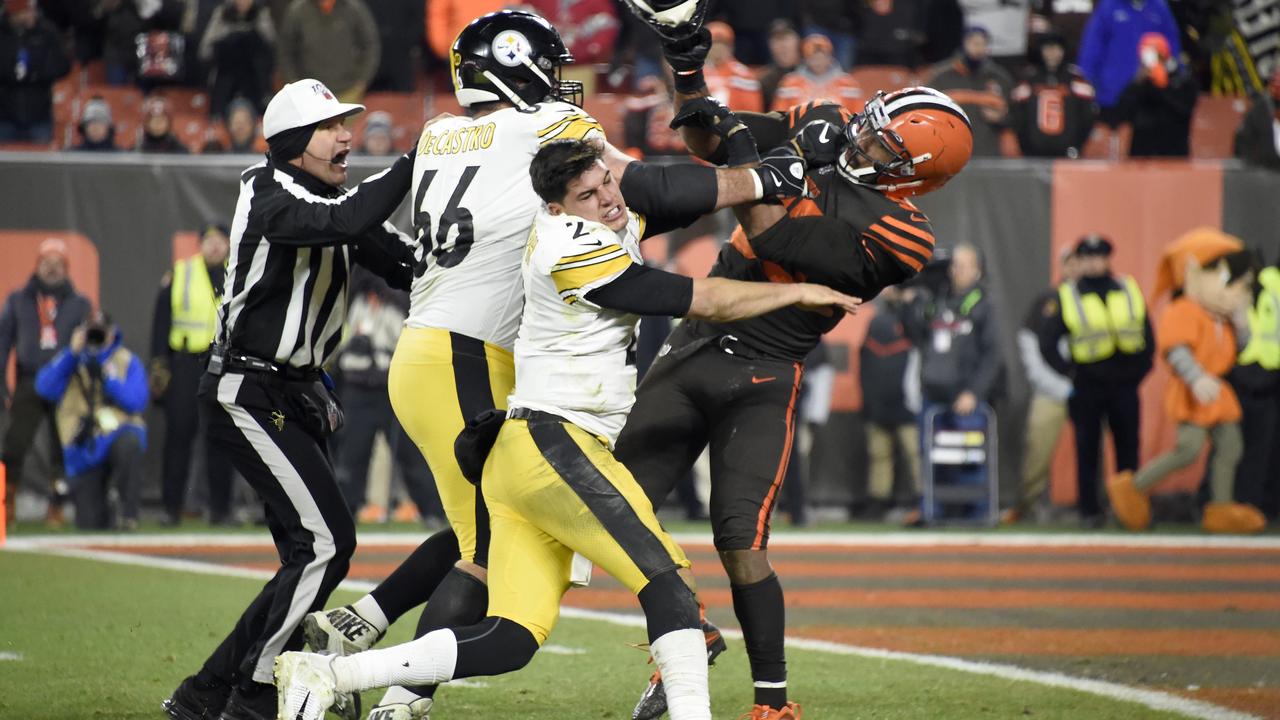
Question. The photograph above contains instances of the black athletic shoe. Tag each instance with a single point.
(194, 700)
(260, 705)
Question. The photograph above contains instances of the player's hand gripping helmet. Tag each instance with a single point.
(909, 142)
(511, 56)
(671, 19)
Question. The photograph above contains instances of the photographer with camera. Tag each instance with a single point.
(100, 390)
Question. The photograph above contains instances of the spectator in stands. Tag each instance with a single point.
(183, 327)
(37, 321)
(399, 24)
(97, 131)
(1052, 110)
(1159, 102)
(784, 57)
(589, 28)
(377, 140)
(750, 22)
(157, 128)
(124, 20)
(958, 335)
(31, 58)
(239, 47)
(1048, 408)
(1258, 139)
(100, 390)
(729, 81)
(819, 77)
(1006, 24)
(834, 19)
(373, 325)
(981, 87)
(446, 18)
(889, 33)
(242, 130)
(1068, 17)
(1110, 344)
(646, 123)
(1109, 49)
(333, 41)
(890, 378)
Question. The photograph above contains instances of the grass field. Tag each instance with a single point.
(87, 639)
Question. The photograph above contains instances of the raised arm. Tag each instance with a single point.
(293, 219)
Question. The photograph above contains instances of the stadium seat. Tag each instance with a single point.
(1009, 146)
(1108, 144)
(192, 129)
(185, 99)
(1214, 124)
(873, 78)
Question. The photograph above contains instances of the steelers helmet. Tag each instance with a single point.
(511, 56)
(909, 142)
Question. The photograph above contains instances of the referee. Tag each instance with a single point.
(267, 403)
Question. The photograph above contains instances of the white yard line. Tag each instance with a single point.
(1153, 699)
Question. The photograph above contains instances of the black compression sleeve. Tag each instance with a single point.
(769, 130)
(669, 196)
(643, 290)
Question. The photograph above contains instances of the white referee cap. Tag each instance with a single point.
(301, 103)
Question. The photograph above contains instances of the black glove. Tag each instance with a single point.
(819, 143)
(712, 115)
(686, 57)
(781, 173)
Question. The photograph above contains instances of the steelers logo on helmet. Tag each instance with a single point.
(510, 48)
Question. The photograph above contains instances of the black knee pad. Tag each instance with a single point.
(461, 599)
(493, 646)
(669, 605)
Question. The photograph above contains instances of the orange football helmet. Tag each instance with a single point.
(908, 142)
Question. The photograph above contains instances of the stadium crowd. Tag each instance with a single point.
(193, 76)
(1040, 78)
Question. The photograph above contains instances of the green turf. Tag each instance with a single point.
(111, 641)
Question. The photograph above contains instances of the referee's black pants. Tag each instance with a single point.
(251, 418)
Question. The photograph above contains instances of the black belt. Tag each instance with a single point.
(520, 413)
(248, 363)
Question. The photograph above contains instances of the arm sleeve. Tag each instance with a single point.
(161, 323)
(128, 393)
(642, 290)
(388, 253)
(1043, 378)
(983, 383)
(314, 221)
(1184, 363)
(52, 379)
(669, 196)
(1052, 330)
(212, 34)
(1089, 56)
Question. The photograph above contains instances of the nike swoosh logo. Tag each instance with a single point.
(757, 380)
(303, 709)
(822, 137)
(919, 218)
(404, 664)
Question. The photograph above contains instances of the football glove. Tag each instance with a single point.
(819, 142)
(781, 174)
(710, 114)
(686, 57)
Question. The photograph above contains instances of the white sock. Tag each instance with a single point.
(368, 608)
(397, 695)
(682, 657)
(429, 660)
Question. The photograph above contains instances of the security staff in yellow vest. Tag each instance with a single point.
(1256, 380)
(186, 313)
(1100, 337)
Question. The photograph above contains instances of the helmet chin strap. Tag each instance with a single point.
(511, 94)
(867, 176)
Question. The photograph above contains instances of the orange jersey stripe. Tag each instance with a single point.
(766, 509)
(908, 251)
(915, 230)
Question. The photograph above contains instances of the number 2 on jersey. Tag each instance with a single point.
(432, 238)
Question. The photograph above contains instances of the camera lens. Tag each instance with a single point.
(96, 335)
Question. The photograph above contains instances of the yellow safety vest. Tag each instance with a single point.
(1264, 324)
(1100, 327)
(195, 306)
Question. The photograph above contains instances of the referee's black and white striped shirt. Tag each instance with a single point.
(293, 240)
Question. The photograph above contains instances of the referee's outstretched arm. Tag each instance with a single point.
(293, 216)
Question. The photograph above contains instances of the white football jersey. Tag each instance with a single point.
(574, 358)
(473, 206)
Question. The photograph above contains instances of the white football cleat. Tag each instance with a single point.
(419, 709)
(338, 632)
(304, 685)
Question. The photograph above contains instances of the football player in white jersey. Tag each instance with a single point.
(473, 206)
(551, 482)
